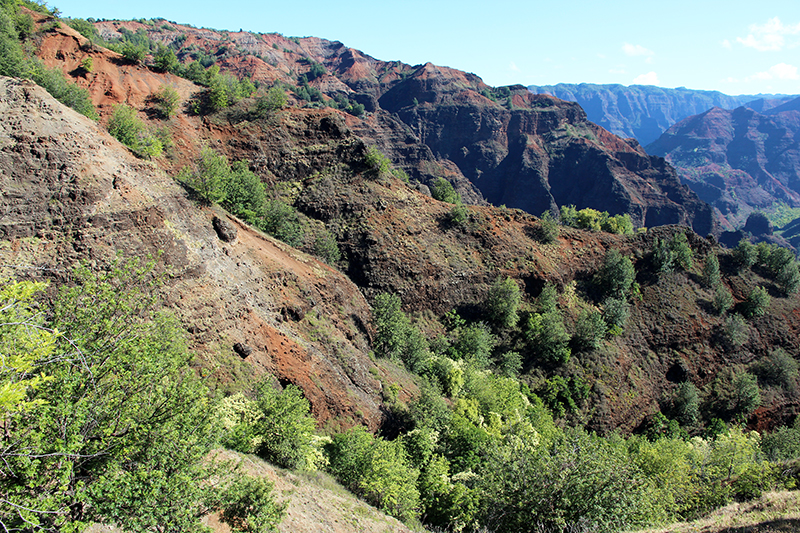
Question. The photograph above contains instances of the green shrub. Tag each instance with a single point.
(282, 222)
(723, 299)
(128, 129)
(458, 216)
(736, 331)
(548, 228)
(167, 100)
(590, 329)
(443, 191)
(326, 247)
(778, 369)
(165, 60)
(502, 303)
(711, 274)
(686, 404)
(547, 337)
(615, 276)
(378, 470)
(745, 255)
(756, 303)
(616, 312)
(209, 177)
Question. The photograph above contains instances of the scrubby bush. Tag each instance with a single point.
(502, 303)
(756, 303)
(711, 274)
(167, 100)
(736, 331)
(548, 228)
(128, 129)
(668, 256)
(615, 276)
(590, 329)
(777, 369)
(723, 299)
(443, 191)
(745, 255)
(326, 247)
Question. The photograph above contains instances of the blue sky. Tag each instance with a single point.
(733, 47)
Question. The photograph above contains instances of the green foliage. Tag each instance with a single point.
(594, 220)
(128, 129)
(756, 303)
(502, 303)
(576, 482)
(736, 331)
(243, 191)
(672, 255)
(165, 60)
(247, 506)
(783, 444)
(711, 274)
(84, 27)
(778, 369)
(378, 470)
(326, 247)
(547, 337)
(562, 395)
(286, 428)
(615, 313)
(686, 404)
(167, 100)
(458, 216)
(735, 393)
(723, 299)
(208, 177)
(24, 341)
(378, 165)
(282, 222)
(273, 101)
(474, 344)
(121, 431)
(745, 255)
(443, 191)
(395, 336)
(87, 64)
(548, 228)
(590, 329)
(135, 53)
(615, 276)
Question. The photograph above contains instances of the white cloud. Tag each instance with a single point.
(617, 71)
(781, 71)
(513, 66)
(651, 78)
(726, 44)
(636, 50)
(771, 36)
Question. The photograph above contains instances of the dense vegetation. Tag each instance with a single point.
(103, 418)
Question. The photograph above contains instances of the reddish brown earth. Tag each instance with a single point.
(738, 160)
(438, 122)
(72, 192)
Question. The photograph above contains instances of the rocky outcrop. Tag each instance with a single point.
(738, 160)
(71, 192)
(643, 112)
(505, 146)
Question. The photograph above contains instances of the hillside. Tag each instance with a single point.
(644, 112)
(505, 146)
(738, 160)
(511, 372)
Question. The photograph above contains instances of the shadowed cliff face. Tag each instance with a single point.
(507, 146)
(738, 160)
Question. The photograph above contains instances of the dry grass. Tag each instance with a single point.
(774, 512)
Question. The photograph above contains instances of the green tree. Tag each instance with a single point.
(274, 100)
(244, 193)
(686, 404)
(24, 341)
(378, 470)
(745, 255)
(723, 299)
(167, 100)
(590, 329)
(209, 176)
(165, 59)
(286, 427)
(502, 303)
(121, 431)
(128, 129)
(756, 303)
(548, 228)
(615, 276)
(443, 191)
(711, 274)
(547, 337)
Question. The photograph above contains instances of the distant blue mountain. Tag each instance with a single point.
(644, 112)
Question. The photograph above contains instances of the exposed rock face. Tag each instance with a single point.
(71, 192)
(507, 147)
(642, 111)
(740, 160)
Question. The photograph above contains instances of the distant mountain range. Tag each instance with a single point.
(644, 112)
(739, 160)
